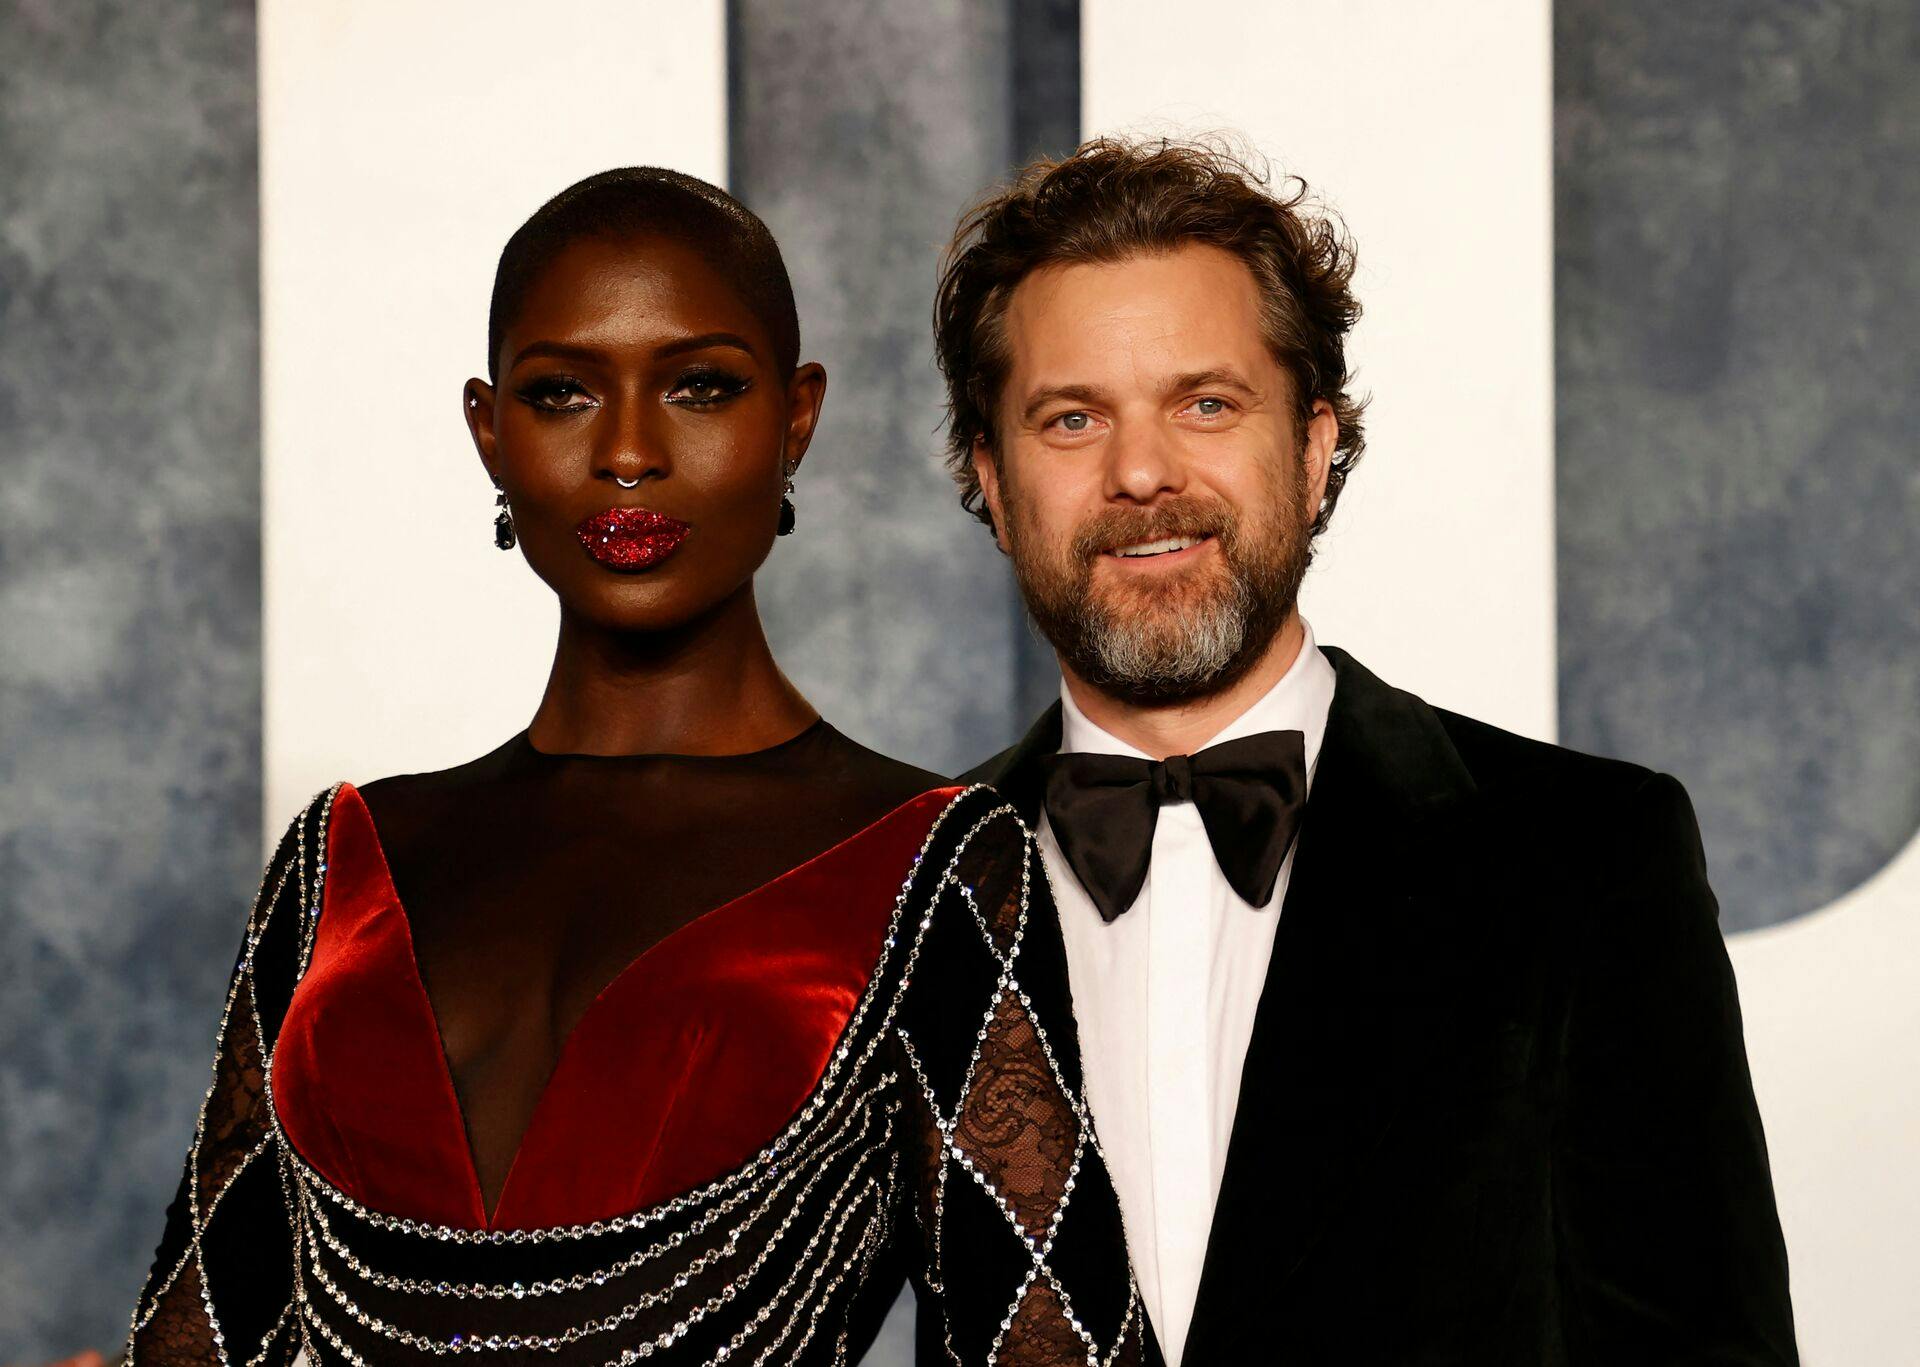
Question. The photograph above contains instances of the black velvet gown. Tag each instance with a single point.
(587, 1059)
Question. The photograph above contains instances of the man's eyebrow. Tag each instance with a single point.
(1215, 377)
(1056, 393)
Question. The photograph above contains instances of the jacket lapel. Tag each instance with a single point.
(1015, 772)
(1339, 1021)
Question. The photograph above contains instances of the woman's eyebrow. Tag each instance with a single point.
(705, 340)
(558, 350)
(565, 351)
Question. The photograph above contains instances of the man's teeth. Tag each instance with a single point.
(1162, 547)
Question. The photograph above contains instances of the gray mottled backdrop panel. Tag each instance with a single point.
(129, 624)
(858, 130)
(1737, 294)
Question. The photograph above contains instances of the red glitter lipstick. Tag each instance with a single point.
(631, 538)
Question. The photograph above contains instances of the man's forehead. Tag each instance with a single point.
(1174, 311)
(1193, 285)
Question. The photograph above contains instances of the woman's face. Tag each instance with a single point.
(641, 428)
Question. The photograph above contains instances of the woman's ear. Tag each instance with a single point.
(806, 391)
(476, 402)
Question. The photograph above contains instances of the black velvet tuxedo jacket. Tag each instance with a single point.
(1496, 1107)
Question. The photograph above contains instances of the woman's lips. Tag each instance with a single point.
(631, 538)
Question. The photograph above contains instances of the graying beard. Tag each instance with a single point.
(1136, 653)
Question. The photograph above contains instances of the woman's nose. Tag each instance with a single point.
(630, 449)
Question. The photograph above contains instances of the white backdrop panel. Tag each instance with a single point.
(1833, 1032)
(401, 143)
(1429, 128)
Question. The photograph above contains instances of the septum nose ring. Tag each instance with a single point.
(633, 483)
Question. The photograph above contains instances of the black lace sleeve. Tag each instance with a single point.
(1010, 1225)
(223, 1279)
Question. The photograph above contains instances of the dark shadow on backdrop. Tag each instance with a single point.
(1737, 296)
(859, 132)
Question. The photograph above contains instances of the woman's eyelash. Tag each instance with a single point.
(549, 391)
(695, 389)
(719, 385)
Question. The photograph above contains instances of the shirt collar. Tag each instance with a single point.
(1297, 702)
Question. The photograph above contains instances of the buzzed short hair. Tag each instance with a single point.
(643, 201)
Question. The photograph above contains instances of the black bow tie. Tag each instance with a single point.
(1250, 793)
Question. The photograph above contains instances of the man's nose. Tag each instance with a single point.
(1143, 462)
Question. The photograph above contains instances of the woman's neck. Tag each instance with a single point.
(709, 687)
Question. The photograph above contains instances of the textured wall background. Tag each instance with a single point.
(1738, 491)
(858, 130)
(129, 625)
(1738, 319)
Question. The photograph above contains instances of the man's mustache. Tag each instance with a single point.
(1117, 527)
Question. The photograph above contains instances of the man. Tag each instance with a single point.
(1405, 1039)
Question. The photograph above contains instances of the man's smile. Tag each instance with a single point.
(1167, 550)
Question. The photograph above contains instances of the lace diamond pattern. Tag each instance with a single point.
(175, 1321)
(1011, 1151)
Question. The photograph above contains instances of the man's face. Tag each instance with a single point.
(1154, 483)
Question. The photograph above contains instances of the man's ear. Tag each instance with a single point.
(476, 404)
(1323, 435)
(986, 469)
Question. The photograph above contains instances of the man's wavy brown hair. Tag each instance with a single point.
(1114, 199)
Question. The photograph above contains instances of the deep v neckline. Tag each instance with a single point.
(481, 1217)
(488, 1218)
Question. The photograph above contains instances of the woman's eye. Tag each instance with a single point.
(704, 387)
(556, 395)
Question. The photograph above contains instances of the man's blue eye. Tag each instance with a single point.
(1211, 408)
(1074, 422)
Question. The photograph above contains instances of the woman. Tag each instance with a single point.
(596, 1049)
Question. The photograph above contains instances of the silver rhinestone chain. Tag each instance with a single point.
(666, 1339)
(579, 1281)
(604, 1324)
(258, 914)
(1039, 1250)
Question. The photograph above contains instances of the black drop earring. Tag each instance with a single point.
(503, 533)
(786, 508)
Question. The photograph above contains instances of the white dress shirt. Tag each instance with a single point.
(1164, 998)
